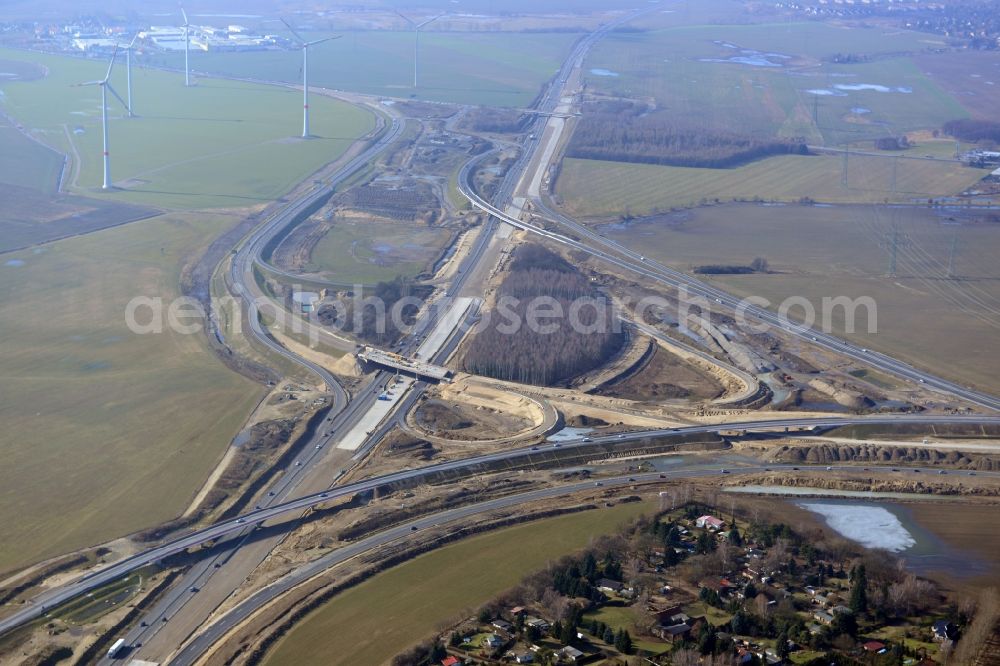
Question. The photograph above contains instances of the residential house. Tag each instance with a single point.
(943, 631)
(663, 615)
(840, 608)
(710, 523)
(822, 600)
(878, 647)
(823, 617)
(493, 641)
(537, 623)
(451, 661)
(524, 658)
(672, 633)
(502, 625)
(770, 657)
(609, 586)
(570, 653)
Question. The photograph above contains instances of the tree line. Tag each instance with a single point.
(543, 357)
(626, 132)
(973, 130)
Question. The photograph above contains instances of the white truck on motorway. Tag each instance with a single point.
(115, 648)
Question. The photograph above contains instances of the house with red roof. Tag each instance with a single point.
(710, 523)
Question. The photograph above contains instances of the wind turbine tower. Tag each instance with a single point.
(128, 75)
(416, 41)
(105, 87)
(187, 48)
(305, 73)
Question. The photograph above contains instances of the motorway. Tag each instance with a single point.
(218, 629)
(656, 272)
(520, 457)
(240, 553)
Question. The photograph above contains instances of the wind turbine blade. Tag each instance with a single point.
(88, 83)
(404, 17)
(320, 41)
(298, 37)
(430, 20)
(184, 14)
(114, 55)
(132, 43)
(117, 96)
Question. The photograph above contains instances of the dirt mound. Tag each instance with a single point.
(877, 453)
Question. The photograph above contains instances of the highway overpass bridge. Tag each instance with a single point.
(400, 363)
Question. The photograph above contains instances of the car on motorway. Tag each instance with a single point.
(631, 479)
(556, 445)
(270, 493)
(298, 463)
(663, 476)
(829, 469)
(587, 439)
(413, 528)
(534, 448)
(941, 471)
(598, 483)
(724, 470)
(193, 589)
(621, 436)
(241, 520)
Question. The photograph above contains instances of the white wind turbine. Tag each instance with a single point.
(105, 87)
(305, 73)
(187, 48)
(416, 40)
(128, 74)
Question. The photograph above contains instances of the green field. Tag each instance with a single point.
(220, 143)
(370, 252)
(105, 432)
(27, 163)
(494, 69)
(593, 188)
(948, 326)
(408, 603)
(675, 67)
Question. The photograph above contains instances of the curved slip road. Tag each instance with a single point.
(516, 457)
(215, 632)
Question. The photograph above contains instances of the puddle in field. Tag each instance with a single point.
(748, 57)
(841, 89)
(14, 262)
(598, 71)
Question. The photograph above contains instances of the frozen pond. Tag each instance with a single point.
(871, 525)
